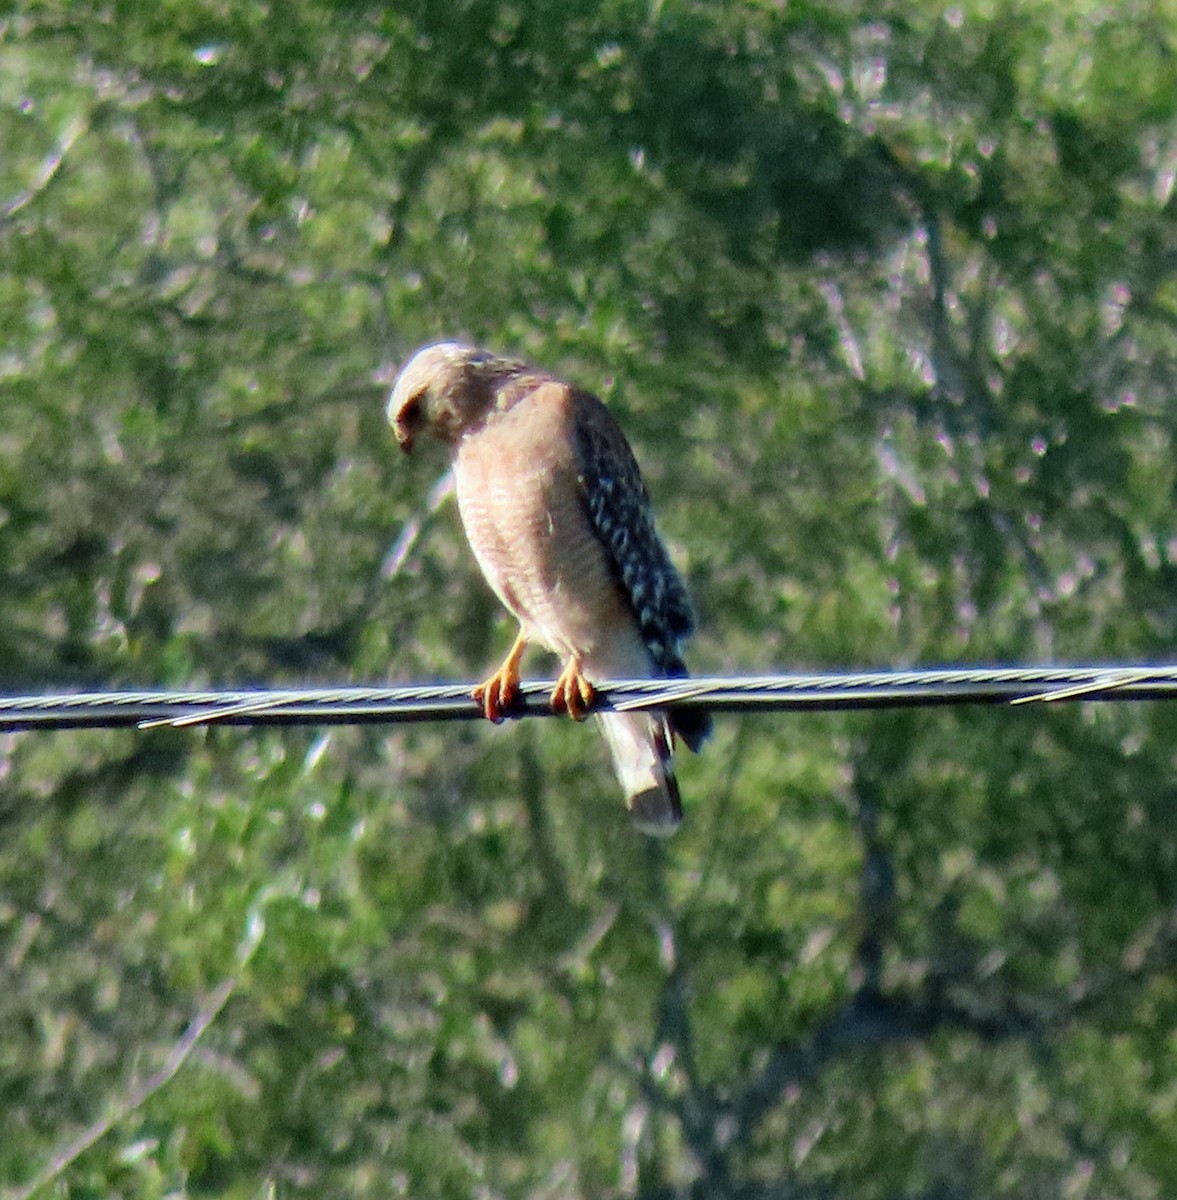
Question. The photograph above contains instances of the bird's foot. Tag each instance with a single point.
(573, 693)
(499, 692)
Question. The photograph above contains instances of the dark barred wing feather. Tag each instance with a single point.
(619, 509)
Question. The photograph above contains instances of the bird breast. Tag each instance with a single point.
(520, 500)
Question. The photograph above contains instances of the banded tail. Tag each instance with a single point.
(641, 745)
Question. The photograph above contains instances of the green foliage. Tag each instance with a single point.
(884, 296)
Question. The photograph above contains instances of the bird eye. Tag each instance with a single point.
(410, 413)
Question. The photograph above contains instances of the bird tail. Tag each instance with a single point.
(642, 748)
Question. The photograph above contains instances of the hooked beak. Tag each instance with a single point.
(407, 422)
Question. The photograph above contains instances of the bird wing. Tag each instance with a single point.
(619, 510)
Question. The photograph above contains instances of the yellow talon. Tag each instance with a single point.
(573, 693)
(499, 691)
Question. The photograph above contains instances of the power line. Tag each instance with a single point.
(452, 702)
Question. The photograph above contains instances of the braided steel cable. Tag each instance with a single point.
(452, 702)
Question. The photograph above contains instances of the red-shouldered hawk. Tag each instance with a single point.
(559, 520)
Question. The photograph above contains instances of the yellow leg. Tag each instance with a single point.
(573, 693)
(496, 693)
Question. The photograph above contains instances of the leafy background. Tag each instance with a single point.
(884, 295)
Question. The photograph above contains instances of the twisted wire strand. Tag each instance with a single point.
(450, 702)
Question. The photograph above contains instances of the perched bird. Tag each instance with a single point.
(559, 520)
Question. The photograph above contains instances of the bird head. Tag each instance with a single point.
(443, 389)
